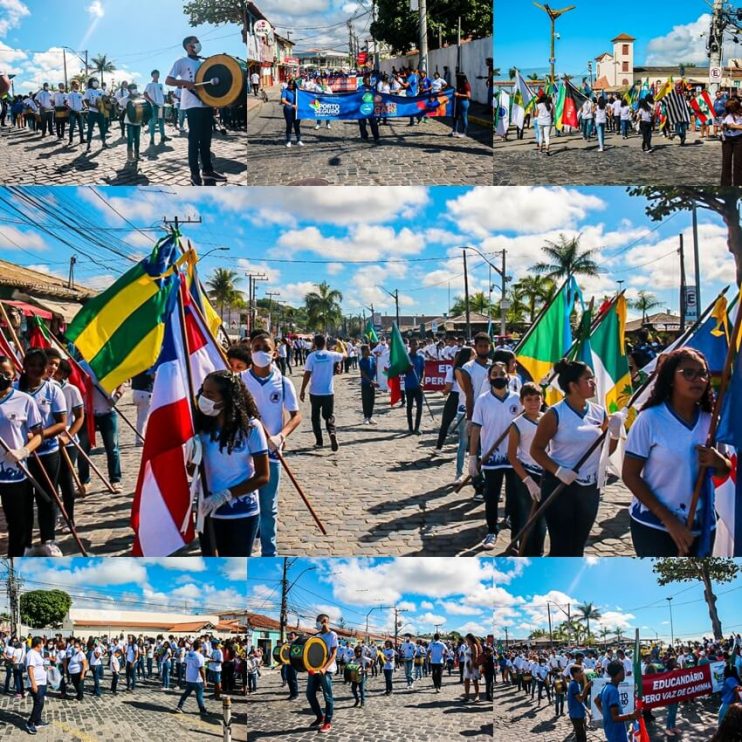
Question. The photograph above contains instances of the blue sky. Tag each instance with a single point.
(406, 238)
(668, 34)
(138, 35)
(430, 591)
(624, 590)
(191, 585)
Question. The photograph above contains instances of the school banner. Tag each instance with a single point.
(625, 693)
(366, 103)
(677, 686)
(435, 375)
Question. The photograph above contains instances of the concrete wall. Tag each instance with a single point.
(473, 62)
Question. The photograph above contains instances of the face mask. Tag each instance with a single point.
(318, 625)
(197, 47)
(95, 86)
(262, 359)
(5, 382)
(499, 383)
(208, 406)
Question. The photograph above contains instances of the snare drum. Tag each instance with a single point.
(61, 112)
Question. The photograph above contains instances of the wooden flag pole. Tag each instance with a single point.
(11, 330)
(68, 461)
(489, 453)
(98, 472)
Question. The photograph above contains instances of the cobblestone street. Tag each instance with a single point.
(30, 160)
(517, 719)
(420, 714)
(337, 156)
(145, 714)
(574, 161)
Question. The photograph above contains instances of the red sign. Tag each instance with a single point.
(678, 685)
(435, 375)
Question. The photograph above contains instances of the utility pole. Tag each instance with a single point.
(506, 637)
(696, 259)
(423, 35)
(394, 296)
(270, 295)
(682, 285)
(177, 221)
(252, 279)
(504, 304)
(551, 637)
(397, 611)
(284, 598)
(71, 280)
(672, 631)
(14, 598)
(373, 37)
(716, 41)
(350, 43)
(64, 64)
(466, 300)
(553, 15)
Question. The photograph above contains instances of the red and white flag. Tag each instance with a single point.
(205, 355)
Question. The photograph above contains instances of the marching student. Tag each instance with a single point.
(526, 491)
(155, 94)
(323, 677)
(493, 414)
(91, 99)
(367, 367)
(195, 679)
(319, 376)
(238, 357)
(275, 398)
(53, 410)
(436, 653)
(472, 652)
(73, 101)
(388, 654)
(664, 450)
(215, 668)
(564, 434)
(60, 101)
(407, 655)
(133, 128)
(413, 385)
(578, 692)
(461, 358)
(77, 667)
(289, 105)
(358, 687)
(115, 667)
(34, 663)
(608, 702)
(235, 460)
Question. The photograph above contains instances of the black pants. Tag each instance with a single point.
(414, 395)
(47, 512)
(580, 729)
(570, 516)
(200, 121)
(60, 125)
(289, 115)
(323, 404)
(543, 688)
(449, 414)
(67, 482)
(282, 365)
(646, 130)
(235, 537)
(292, 681)
(437, 672)
(79, 684)
(368, 396)
(651, 542)
(38, 704)
(731, 161)
(15, 498)
(373, 122)
(493, 479)
(520, 508)
(114, 681)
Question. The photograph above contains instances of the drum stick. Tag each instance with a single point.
(213, 81)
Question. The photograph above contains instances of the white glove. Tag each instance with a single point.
(276, 442)
(533, 489)
(615, 425)
(565, 475)
(215, 501)
(473, 466)
(16, 455)
(194, 451)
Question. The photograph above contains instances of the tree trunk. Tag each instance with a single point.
(734, 237)
(708, 594)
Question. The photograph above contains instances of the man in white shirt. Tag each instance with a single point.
(437, 653)
(322, 679)
(46, 103)
(155, 94)
(34, 663)
(200, 116)
(255, 82)
(73, 101)
(319, 369)
(215, 665)
(195, 678)
(407, 652)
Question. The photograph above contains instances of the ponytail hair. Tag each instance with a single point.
(569, 372)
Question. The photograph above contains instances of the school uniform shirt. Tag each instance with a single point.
(413, 379)
(615, 731)
(436, 652)
(131, 652)
(494, 415)
(96, 657)
(194, 662)
(601, 116)
(616, 108)
(225, 470)
(91, 97)
(732, 119)
(321, 364)
(478, 374)
(666, 445)
(186, 69)
(645, 116)
(73, 100)
(35, 661)
(272, 394)
(407, 650)
(625, 113)
(217, 657)
(50, 401)
(388, 659)
(451, 379)
(330, 638)
(156, 93)
(526, 430)
(73, 400)
(19, 416)
(44, 98)
(544, 115)
(575, 707)
(76, 659)
(576, 432)
(59, 98)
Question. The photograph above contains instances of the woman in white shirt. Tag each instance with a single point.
(37, 680)
(544, 117)
(586, 119)
(731, 146)
(601, 121)
(646, 120)
(388, 653)
(77, 667)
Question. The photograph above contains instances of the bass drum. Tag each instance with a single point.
(139, 111)
(308, 654)
(61, 112)
(352, 673)
(222, 81)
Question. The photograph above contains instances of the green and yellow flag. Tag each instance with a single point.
(119, 332)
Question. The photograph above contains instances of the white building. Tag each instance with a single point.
(616, 70)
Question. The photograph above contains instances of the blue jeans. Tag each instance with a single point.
(314, 683)
(76, 118)
(268, 497)
(601, 135)
(408, 671)
(166, 674)
(463, 443)
(108, 426)
(252, 681)
(154, 121)
(97, 672)
(625, 127)
(672, 712)
(682, 130)
(94, 117)
(388, 675)
(359, 690)
(418, 672)
(587, 128)
(462, 114)
(198, 689)
(131, 676)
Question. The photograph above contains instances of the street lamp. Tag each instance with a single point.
(553, 15)
(216, 249)
(672, 634)
(501, 271)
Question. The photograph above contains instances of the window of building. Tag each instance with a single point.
(625, 49)
(625, 67)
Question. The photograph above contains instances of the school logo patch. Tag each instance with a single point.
(514, 409)
(275, 397)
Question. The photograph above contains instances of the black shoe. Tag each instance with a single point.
(30, 728)
(318, 722)
(334, 442)
(196, 181)
(213, 175)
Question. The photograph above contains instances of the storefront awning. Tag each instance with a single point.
(28, 310)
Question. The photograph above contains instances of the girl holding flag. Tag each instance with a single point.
(665, 447)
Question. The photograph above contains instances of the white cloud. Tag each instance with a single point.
(685, 43)
(14, 239)
(103, 572)
(457, 609)
(406, 605)
(178, 564)
(294, 293)
(472, 627)
(430, 619)
(12, 12)
(426, 605)
(95, 9)
(334, 268)
(249, 266)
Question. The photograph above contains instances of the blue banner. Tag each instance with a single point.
(367, 103)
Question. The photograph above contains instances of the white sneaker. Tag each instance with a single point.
(316, 126)
(300, 143)
(436, 452)
(288, 144)
(365, 421)
(478, 497)
(328, 125)
(489, 541)
(371, 421)
(460, 479)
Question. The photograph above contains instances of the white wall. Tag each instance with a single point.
(473, 63)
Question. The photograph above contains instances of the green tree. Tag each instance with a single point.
(564, 259)
(618, 631)
(538, 634)
(587, 612)
(604, 634)
(223, 290)
(644, 303)
(216, 12)
(707, 571)
(534, 77)
(42, 608)
(102, 64)
(534, 291)
(397, 25)
(323, 308)
(722, 201)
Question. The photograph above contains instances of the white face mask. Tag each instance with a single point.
(95, 86)
(262, 359)
(197, 47)
(319, 626)
(208, 406)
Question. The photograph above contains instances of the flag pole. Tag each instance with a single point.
(489, 453)
(13, 357)
(726, 377)
(11, 329)
(68, 461)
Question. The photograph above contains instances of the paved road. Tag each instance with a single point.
(383, 494)
(576, 162)
(419, 715)
(30, 160)
(337, 156)
(518, 719)
(145, 714)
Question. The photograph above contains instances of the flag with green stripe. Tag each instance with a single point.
(120, 332)
(371, 332)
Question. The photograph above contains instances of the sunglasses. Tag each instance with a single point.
(691, 374)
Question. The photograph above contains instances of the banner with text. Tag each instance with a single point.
(364, 104)
(435, 375)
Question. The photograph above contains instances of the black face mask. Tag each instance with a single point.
(499, 383)
(5, 382)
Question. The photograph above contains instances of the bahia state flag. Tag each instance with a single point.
(523, 101)
(609, 360)
(502, 114)
(703, 107)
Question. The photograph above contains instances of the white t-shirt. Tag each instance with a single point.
(436, 650)
(44, 98)
(75, 662)
(95, 657)
(59, 98)
(215, 663)
(544, 115)
(185, 69)
(601, 115)
(625, 113)
(576, 432)
(645, 116)
(494, 415)
(587, 110)
(451, 379)
(478, 375)
(73, 399)
(74, 100)
(616, 107)
(407, 650)
(666, 444)
(156, 93)
(526, 430)
(36, 661)
(388, 659)
(19, 415)
(91, 96)
(194, 662)
(50, 401)
(321, 364)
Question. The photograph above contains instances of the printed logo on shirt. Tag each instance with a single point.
(514, 409)
(275, 397)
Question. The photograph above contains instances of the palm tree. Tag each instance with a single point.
(534, 291)
(645, 302)
(588, 611)
(534, 77)
(605, 633)
(511, 73)
(102, 64)
(538, 634)
(223, 290)
(567, 259)
(619, 634)
(479, 303)
(323, 307)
